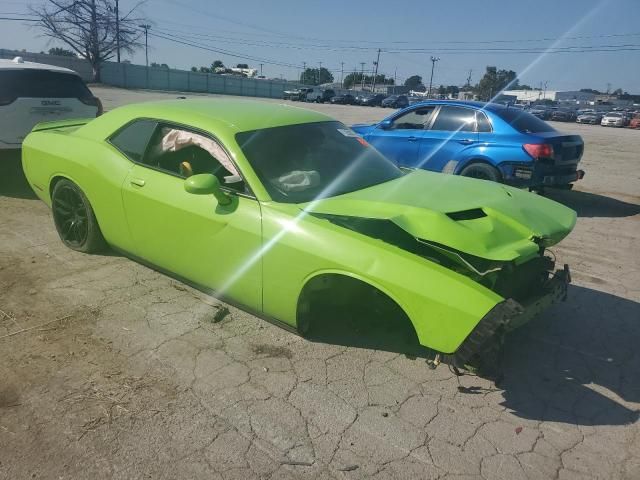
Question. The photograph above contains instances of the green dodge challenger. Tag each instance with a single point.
(280, 210)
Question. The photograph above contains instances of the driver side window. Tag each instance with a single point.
(417, 119)
(183, 152)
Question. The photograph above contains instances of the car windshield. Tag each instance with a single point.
(522, 121)
(298, 163)
(614, 114)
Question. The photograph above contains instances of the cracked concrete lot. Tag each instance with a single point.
(126, 373)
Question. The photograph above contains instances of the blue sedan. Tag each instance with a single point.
(486, 141)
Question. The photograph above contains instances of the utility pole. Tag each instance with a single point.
(304, 73)
(375, 73)
(544, 95)
(433, 66)
(146, 27)
(261, 68)
(118, 29)
(469, 77)
(319, 69)
(362, 75)
(341, 74)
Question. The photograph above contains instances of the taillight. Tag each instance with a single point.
(7, 100)
(539, 150)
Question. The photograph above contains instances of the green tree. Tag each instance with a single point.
(315, 76)
(194, 69)
(442, 90)
(205, 70)
(242, 65)
(413, 81)
(494, 81)
(61, 52)
(217, 64)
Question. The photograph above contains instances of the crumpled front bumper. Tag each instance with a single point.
(509, 315)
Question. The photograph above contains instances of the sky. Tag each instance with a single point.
(559, 42)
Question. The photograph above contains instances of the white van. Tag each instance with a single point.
(31, 93)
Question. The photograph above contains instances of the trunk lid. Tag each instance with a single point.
(567, 149)
(478, 217)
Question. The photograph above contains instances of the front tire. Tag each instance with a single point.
(74, 218)
(481, 171)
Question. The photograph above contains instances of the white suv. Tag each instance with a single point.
(31, 93)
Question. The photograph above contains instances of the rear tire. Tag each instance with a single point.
(74, 219)
(481, 171)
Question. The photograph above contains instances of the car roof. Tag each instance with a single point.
(494, 107)
(239, 114)
(18, 64)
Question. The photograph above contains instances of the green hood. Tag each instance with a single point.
(478, 217)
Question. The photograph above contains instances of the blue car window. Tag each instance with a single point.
(482, 123)
(452, 119)
(417, 119)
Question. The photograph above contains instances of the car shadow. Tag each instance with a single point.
(573, 364)
(576, 362)
(12, 180)
(593, 205)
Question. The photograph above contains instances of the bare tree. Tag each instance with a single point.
(91, 28)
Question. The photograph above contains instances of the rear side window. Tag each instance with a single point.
(454, 119)
(42, 84)
(523, 122)
(483, 124)
(133, 139)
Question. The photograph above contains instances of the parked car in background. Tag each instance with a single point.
(635, 121)
(199, 188)
(319, 95)
(372, 100)
(614, 119)
(486, 141)
(296, 95)
(563, 115)
(343, 99)
(32, 93)
(541, 112)
(593, 118)
(395, 101)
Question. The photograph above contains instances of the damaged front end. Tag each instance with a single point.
(528, 284)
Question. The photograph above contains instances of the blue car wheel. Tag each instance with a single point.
(481, 171)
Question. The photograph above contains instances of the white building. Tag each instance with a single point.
(553, 95)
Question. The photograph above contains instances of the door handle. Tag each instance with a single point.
(412, 138)
(466, 141)
(137, 181)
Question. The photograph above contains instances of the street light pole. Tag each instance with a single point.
(261, 68)
(341, 74)
(146, 28)
(362, 75)
(375, 73)
(319, 70)
(433, 65)
(304, 73)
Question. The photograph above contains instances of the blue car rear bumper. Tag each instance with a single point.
(538, 174)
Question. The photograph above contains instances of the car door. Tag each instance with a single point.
(451, 134)
(399, 140)
(189, 235)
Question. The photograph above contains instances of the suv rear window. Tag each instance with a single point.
(42, 84)
(523, 122)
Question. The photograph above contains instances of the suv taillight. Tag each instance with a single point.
(539, 150)
(7, 100)
(94, 102)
